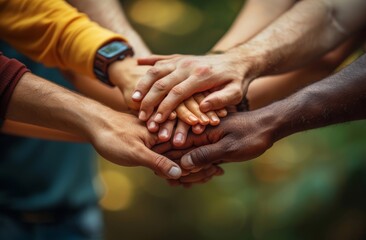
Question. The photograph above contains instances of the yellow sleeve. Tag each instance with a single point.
(53, 32)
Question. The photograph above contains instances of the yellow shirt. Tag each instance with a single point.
(53, 32)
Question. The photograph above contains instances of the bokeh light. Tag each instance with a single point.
(170, 16)
(118, 190)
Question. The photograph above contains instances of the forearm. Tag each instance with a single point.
(39, 102)
(253, 17)
(98, 91)
(305, 32)
(110, 14)
(266, 90)
(336, 99)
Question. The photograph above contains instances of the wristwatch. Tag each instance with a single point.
(108, 54)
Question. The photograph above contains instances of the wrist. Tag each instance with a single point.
(108, 54)
(244, 66)
(274, 121)
(116, 71)
(254, 60)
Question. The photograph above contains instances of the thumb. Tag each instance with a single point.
(229, 95)
(203, 155)
(162, 166)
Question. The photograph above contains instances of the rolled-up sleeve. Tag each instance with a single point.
(11, 71)
(53, 32)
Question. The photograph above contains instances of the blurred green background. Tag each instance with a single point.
(308, 186)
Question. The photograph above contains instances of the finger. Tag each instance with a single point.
(203, 155)
(213, 116)
(201, 175)
(177, 154)
(173, 182)
(221, 112)
(178, 94)
(147, 81)
(151, 60)
(181, 132)
(185, 115)
(231, 94)
(152, 126)
(220, 171)
(198, 129)
(163, 166)
(166, 130)
(194, 107)
(156, 93)
(173, 115)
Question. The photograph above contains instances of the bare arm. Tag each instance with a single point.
(307, 31)
(253, 17)
(243, 136)
(265, 90)
(118, 137)
(110, 14)
(304, 33)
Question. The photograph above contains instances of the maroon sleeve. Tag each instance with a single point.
(11, 71)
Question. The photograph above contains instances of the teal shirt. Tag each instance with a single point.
(37, 174)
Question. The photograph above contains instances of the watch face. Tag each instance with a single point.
(113, 49)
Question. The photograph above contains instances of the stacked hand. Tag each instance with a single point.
(189, 109)
(124, 74)
(240, 137)
(174, 79)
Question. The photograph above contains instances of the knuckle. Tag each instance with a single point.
(200, 157)
(220, 101)
(186, 63)
(202, 71)
(159, 162)
(153, 72)
(178, 91)
(146, 103)
(160, 85)
(162, 63)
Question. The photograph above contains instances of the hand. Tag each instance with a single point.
(122, 139)
(173, 80)
(190, 113)
(125, 74)
(176, 128)
(239, 137)
(189, 116)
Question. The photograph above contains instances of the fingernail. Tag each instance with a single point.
(137, 95)
(178, 138)
(215, 119)
(158, 118)
(193, 119)
(163, 133)
(175, 172)
(152, 125)
(206, 106)
(205, 119)
(142, 115)
(187, 162)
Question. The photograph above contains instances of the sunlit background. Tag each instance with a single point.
(309, 186)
